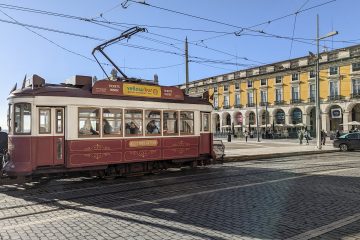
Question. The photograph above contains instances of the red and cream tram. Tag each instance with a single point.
(108, 127)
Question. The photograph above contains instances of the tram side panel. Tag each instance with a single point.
(20, 156)
(84, 153)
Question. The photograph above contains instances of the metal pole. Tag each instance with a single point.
(317, 99)
(257, 116)
(187, 66)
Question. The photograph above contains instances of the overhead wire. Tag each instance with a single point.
(294, 26)
(49, 40)
(216, 21)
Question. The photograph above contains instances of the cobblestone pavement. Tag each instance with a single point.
(311, 197)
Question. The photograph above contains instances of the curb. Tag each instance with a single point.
(275, 155)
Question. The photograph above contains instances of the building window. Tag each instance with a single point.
(133, 122)
(226, 101)
(237, 86)
(216, 102)
(89, 122)
(280, 117)
(263, 82)
(356, 86)
(312, 74)
(226, 88)
(249, 84)
(312, 91)
(252, 118)
(296, 116)
(295, 92)
(334, 70)
(278, 79)
(278, 94)
(170, 123)
(186, 123)
(237, 99)
(295, 77)
(44, 120)
(250, 97)
(153, 122)
(112, 122)
(215, 89)
(263, 96)
(356, 67)
(334, 89)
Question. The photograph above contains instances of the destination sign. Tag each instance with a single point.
(106, 87)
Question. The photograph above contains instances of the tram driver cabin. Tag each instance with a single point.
(105, 126)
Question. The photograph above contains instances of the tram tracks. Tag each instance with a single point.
(101, 199)
(44, 193)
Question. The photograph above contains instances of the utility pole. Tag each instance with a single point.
(187, 66)
(317, 95)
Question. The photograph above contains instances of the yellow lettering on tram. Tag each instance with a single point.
(143, 143)
(138, 90)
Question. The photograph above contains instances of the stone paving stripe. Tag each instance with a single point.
(230, 188)
(52, 219)
(326, 228)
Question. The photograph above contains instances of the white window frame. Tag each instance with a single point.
(336, 82)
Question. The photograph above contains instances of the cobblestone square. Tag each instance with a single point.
(302, 197)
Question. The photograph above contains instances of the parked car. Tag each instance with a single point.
(349, 141)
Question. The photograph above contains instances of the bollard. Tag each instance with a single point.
(229, 137)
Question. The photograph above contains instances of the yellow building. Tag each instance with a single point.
(280, 97)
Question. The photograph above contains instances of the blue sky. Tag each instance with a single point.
(23, 52)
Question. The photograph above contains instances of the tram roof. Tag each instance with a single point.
(68, 90)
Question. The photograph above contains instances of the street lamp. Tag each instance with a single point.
(317, 94)
(257, 116)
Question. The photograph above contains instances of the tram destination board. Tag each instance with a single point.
(106, 87)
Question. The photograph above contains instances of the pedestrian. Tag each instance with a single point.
(323, 137)
(337, 133)
(301, 136)
(251, 134)
(246, 136)
(306, 135)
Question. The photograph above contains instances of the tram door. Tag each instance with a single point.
(50, 144)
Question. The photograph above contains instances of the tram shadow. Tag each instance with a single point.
(229, 202)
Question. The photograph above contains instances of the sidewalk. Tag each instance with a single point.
(238, 149)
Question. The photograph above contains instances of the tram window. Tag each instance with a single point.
(44, 120)
(59, 121)
(170, 123)
(153, 122)
(186, 123)
(22, 118)
(9, 116)
(112, 122)
(89, 122)
(133, 122)
(205, 123)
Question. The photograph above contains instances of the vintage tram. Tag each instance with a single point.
(104, 127)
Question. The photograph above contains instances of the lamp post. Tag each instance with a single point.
(257, 116)
(317, 94)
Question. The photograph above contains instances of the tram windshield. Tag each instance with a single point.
(22, 114)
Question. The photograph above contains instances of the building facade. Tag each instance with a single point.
(280, 97)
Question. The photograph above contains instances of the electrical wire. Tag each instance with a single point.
(214, 21)
(49, 40)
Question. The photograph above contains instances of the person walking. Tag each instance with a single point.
(323, 137)
(306, 135)
(337, 133)
(301, 136)
(246, 135)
